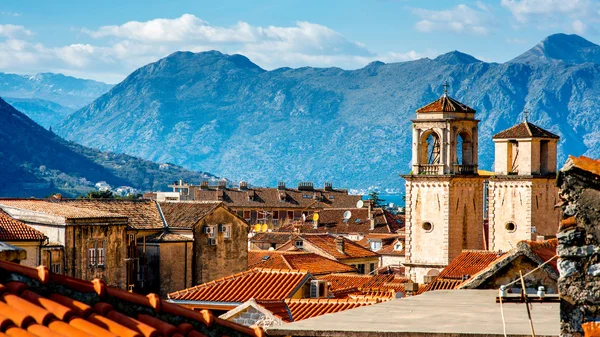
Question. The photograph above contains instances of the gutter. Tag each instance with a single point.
(224, 305)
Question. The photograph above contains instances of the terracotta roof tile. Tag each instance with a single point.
(308, 308)
(327, 244)
(524, 130)
(33, 306)
(332, 221)
(61, 210)
(14, 230)
(268, 259)
(388, 243)
(186, 214)
(545, 250)
(274, 198)
(260, 284)
(445, 104)
(313, 263)
(272, 237)
(585, 164)
(141, 214)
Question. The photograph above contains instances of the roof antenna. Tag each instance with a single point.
(446, 85)
(526, 115)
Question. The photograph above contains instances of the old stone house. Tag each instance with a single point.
(453, 206)
(337, 248)
(390, 248)
(220, 239)
(271, 207)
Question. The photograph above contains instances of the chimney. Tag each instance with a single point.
(243, 185)
(372, 223)
(204, 185)
(305, 186)
(328, 187)
(180, 181)
(411, 288)
(222, 184)
(281, 185)
(339, 243)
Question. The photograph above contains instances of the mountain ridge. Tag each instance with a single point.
(326, 124)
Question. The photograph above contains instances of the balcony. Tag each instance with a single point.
(431, 169)
(465, 169)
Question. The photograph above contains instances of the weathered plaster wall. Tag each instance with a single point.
(175, 266)
(228, 256)
(33, 252)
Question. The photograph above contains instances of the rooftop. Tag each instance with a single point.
(438, 312)
(327, 244)
(583, 163)
(313, 263)
(259, 284)
(445, 104)
(35, 302)
(185, 214)
(525, 130)
(52, 207)
(14, 230)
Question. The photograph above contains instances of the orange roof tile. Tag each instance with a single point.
(141, 214)
(545, 250)
(327, 244)
(307, 308)
(524, 130)
(585, 164)
(54, 208)
(388, 243)
(33, 306)
(313, 263)
(260, 284)
(331, 220)
(186, 214)
(268, 259)
(14, 230)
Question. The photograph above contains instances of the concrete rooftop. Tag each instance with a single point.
(445, 312)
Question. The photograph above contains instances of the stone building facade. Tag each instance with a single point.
(523, 191)
(579, 244)
(444, 194)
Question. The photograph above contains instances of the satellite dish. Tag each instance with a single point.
(316, 217)
(347, 215)
(303, 217)
(271, 249)
(257, 227)
(264, 228)
(360, 204)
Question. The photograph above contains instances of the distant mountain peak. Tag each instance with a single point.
(210, 57)
(456, 57)
(568, 48)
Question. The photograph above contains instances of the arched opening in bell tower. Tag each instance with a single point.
(464, 149)
(430, 148)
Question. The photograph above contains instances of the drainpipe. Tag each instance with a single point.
(185, 265)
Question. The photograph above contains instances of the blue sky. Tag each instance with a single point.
(106, 40)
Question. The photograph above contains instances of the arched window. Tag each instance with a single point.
(464, 148)
(430, 148)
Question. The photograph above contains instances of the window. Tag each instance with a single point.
(56, 268)
(96, 253)
(275, 215)
(299, 244)
(361, 268)
(510, 227)
(261, 215)
(375, 245)
(297, 214)
(307, 196)
(427, 226)
(371, 267)
(227, 231)
(290, 214)
(398, 246)
(240, 214)
(247, 215)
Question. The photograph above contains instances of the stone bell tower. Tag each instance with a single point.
(523, 191)
(444, 192)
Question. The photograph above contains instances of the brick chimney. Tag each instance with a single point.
(204, 185)
(222, 184)
(328, 186)
(281, 185)
(339, 243)
(306, 186)
(243, 185)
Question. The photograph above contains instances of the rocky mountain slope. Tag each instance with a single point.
(36, 162)
(48, 98)
(224, 114)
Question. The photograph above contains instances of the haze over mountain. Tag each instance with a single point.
(47, 98)
(36, 162)
(224, 114)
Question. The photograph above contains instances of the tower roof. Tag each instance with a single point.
(445, 104)
(525, 130)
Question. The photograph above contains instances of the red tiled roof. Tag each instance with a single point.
(272, 237)
(524, 130)
(274, 198)
(260, 284)
(327, 244)
(332, 221)
(469, 262)
(54, 208)
(345, 282)
(388, 243)
(185, 214)
(268, 259)
(309, 307)
(445, 104)
(13, 230)
(545, 250)
(440, 284)
(313, 263)
(44, 304)
(141, 214)
(585, 164)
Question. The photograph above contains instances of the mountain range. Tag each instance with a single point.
(47, 98)
(224, 114)
(36, 162)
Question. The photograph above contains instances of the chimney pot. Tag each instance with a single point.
(281, 185)
(339, 243)
(204, 185)
(328, 186)
(243, 185)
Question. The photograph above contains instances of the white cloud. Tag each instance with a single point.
(460, 19)
(515, 40)
(523, 10)
(9, 30)
(115, 51)
(578, 27)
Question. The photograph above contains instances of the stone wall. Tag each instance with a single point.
(579, 248)
(175, 266)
